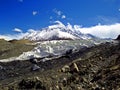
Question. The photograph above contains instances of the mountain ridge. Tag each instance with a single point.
(58, 31)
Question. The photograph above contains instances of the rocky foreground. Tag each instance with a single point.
(95, 68)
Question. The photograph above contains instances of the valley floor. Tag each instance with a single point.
(94, 68)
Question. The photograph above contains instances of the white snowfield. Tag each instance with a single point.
(55, 48)
(57, 31)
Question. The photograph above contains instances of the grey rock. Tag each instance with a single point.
(1, 67)
(35, 67)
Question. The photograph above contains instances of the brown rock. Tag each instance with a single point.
(74, 67)
(65, 69)
(114, 67)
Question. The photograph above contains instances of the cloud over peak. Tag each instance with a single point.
(102, 31)
(99, 30)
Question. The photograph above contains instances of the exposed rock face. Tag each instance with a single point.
(118, 38)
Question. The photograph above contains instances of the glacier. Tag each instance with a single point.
(54, 49)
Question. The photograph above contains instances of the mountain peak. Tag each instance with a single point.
(57, 24)
(57, 31)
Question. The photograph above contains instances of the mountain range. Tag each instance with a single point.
(66, 59)
(58, 31)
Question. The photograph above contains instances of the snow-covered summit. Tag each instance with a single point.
(58, 31)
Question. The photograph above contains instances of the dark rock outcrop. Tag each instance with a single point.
(35, 67)
(28, 84)
(118, 38)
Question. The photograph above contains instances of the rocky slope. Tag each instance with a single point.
(14, 48)
(118, 38)
(95, 68)
(50, 49)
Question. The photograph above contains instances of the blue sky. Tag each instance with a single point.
(37, 14)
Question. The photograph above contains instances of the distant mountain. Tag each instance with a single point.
(58, 31)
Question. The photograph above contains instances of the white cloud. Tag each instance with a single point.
(119, 9)
(16, 36)
(34, 13)
(6, 37)
(31, 30)
(12, 36)
(63, 17)
(17, 30)
(58, 12)
(103, 31)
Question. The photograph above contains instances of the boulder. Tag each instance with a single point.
(35, 67)
(65, 69)
(2, 68)
(34, 61)
(74, 68)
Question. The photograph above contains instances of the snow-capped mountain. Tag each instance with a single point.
(58, 31)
